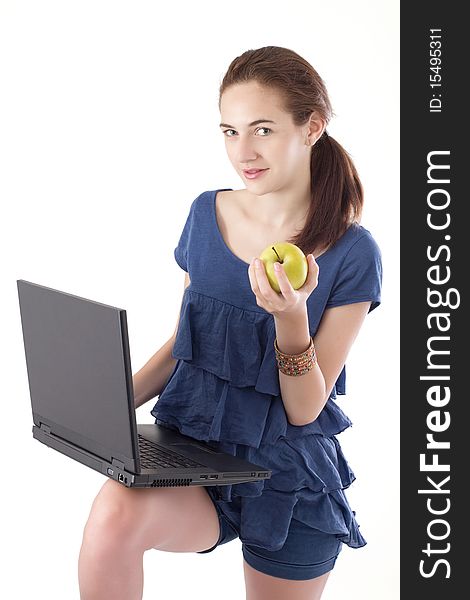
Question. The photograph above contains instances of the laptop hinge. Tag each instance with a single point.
(45, 428)
(118, 464)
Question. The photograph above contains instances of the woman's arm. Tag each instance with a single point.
(149, 381)
(304, 396)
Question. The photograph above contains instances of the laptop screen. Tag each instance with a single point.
(79, 369)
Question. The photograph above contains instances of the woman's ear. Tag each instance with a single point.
(314, 128)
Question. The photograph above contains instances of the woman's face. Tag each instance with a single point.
(278, 146)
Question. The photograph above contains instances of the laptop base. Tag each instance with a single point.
(117, 472)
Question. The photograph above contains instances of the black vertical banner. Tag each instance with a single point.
(435, 356)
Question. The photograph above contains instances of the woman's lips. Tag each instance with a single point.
(253, 173)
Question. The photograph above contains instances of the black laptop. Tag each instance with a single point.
(80, 382)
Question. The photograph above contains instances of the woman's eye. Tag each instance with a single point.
(259, 128)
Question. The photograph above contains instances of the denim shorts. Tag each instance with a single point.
(307, 552)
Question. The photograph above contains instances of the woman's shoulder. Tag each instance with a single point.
(222, 193)
(362, 239)
(357, 246)
(207, 199)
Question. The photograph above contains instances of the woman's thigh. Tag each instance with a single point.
(306, 554)
(177, 519)
(260, 586)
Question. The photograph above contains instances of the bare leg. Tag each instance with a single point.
(260, 586)
(124, 523)
(110, 569)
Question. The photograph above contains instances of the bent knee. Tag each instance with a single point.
(112, 517)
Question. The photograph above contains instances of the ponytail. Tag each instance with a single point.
(337, 196)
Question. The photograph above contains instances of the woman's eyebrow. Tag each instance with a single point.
(250, 124)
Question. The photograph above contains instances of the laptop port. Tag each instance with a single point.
(204, 476)
(122, 478)
(213, 476)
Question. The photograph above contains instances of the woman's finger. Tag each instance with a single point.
(252, 278)
(312, 276)
(284, 283)
(264, 286)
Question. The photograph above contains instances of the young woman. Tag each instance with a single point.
(253, 371)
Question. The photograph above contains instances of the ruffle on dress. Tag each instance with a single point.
(223, 333)
(228, 341)
(230, 398)
(307, 483)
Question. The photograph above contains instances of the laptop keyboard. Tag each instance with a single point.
(152, 455)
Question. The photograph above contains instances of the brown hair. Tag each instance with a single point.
(337, 193)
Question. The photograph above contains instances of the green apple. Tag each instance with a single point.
(292, 259)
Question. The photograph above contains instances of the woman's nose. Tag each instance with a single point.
(246, 151)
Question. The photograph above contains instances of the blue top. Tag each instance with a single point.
(225, 388)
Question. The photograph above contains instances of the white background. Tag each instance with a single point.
(109, 130)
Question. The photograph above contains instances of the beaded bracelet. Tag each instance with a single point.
(296, 364)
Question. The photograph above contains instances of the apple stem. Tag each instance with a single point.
(277, 254)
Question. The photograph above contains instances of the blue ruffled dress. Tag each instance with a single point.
(225, 388)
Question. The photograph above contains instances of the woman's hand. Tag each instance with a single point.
(288, 301)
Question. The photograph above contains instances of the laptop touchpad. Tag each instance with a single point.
(192, 447)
